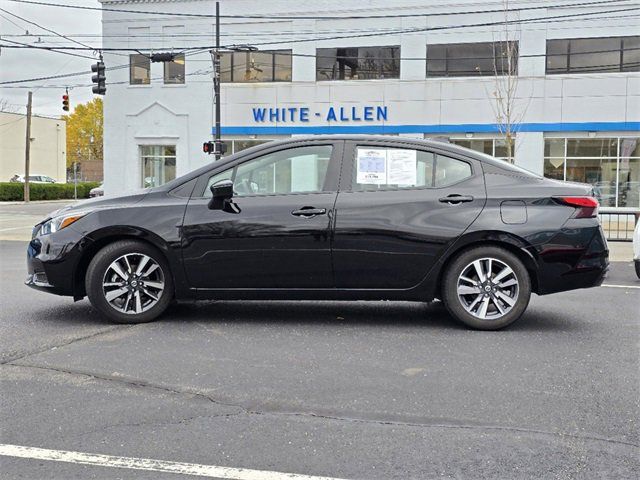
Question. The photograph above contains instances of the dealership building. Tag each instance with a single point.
(566, 71)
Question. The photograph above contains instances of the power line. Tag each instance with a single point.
(552, 19)
(44, 28)
(51, 49)
(325, 17)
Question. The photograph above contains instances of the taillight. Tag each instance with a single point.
(587, 207)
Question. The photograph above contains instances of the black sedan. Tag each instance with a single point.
(336, 218)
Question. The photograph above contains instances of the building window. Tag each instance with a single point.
(237, 145)
(496, 147)
(611, 165)
(158, 164)
(174, 70)
(358, 63)
(588, 55)
(470, 59)
(247, 67)
(139, 69)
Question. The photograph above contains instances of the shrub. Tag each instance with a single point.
(44, 191)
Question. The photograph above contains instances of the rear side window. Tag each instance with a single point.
(381, 168)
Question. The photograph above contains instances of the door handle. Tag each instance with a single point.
(309, 212)
(455, 199)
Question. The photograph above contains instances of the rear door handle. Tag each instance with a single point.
(455, 199)
(309, 212)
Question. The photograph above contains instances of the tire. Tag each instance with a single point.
(129, 282)
(637, 264)
(505, 300)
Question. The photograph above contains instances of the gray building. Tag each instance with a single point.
(569, 77)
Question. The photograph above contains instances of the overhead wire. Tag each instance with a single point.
(318, 17)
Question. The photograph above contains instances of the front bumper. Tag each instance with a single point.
(52, 261)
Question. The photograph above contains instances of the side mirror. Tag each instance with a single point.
(221, 192)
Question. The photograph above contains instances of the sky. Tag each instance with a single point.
(23, 63)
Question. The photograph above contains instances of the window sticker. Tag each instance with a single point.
(371, 166)
(402, 167)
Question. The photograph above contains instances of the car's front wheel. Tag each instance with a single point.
(487, 288)
(129, 282)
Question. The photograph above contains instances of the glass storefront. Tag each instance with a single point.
(611, 165)
(496, 147)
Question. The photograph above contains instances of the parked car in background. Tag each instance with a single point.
(32, 179)
(334, 218)
(97, 191)
(636, 248)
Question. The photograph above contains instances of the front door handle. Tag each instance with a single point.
(456, 199)
(308, 212)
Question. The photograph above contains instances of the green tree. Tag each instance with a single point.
(84, 133)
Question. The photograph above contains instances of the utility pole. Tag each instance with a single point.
(216, 84)
(27, 149)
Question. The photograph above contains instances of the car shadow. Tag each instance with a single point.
(345, 313)
(367, 313)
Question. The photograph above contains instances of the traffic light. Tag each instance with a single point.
(99, 79)
(210, 148)
(65, 102)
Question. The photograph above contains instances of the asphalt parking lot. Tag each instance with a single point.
(362, 390)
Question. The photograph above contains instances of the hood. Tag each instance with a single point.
(102, 202)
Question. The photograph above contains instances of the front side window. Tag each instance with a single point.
(158, 164)
(296, 170)
(387, 168)
(357, 63)
(588, 55)
(174, 70)
(471, 59)
(139, 69)
(248, 67)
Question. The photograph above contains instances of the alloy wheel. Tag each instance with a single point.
(133, 283)
(488, 288)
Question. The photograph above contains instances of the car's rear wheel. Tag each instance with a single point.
(129, 282)
(486, 288)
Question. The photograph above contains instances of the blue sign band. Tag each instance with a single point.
(430, 129)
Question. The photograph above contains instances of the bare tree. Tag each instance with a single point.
(7, 107)
(508, 109)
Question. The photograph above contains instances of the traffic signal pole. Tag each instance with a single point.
(216, 84)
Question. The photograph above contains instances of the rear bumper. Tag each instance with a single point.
(576, 257)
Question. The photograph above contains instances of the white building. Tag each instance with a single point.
(416, 68)
(48, 146)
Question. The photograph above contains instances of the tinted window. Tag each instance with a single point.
(174, 70)
(376, 168)
(247, 67)
(139, 69)
(296, 170)
(357, 63)
(469, 59)
(586, 55)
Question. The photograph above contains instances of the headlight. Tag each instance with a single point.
(60, 221)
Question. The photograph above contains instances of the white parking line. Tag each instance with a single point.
(150, 464)
(620, 286)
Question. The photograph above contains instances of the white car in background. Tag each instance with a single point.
(32, 179)
(636, 248)
(97, 191)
